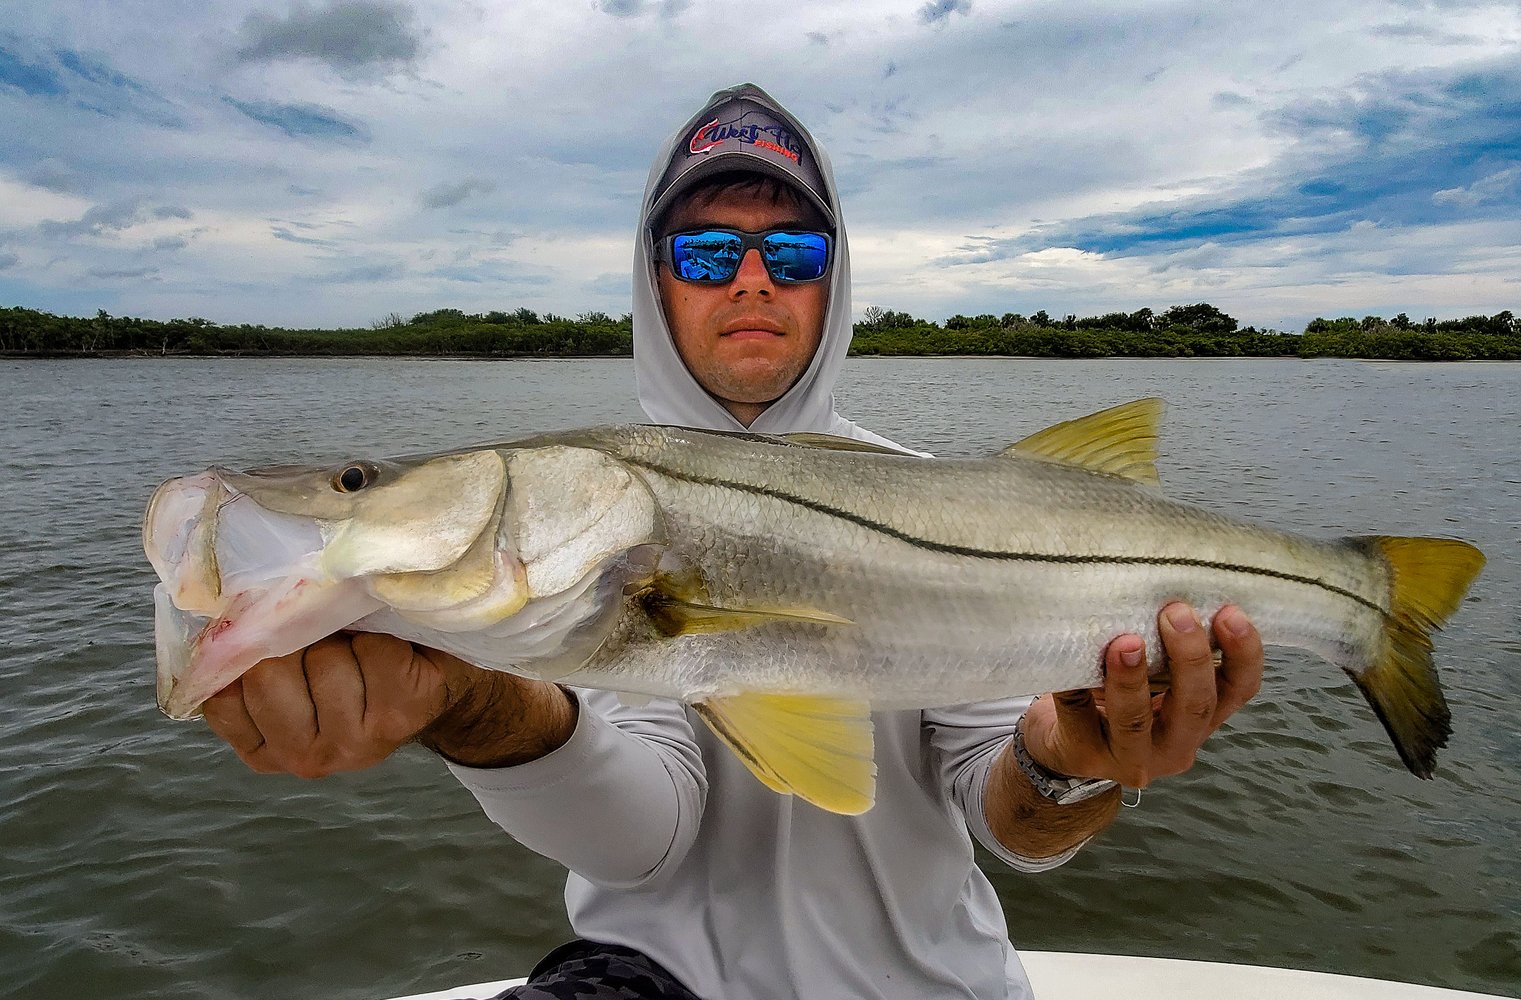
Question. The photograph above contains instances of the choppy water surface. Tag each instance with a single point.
(142, 860)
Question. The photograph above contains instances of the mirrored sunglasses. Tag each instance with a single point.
(713, 255)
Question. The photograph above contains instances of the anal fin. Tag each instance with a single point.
(815, 747)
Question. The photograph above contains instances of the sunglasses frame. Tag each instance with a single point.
(665, 248)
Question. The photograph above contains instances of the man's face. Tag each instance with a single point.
(747, 341)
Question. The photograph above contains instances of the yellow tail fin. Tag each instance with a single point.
(1428, 578)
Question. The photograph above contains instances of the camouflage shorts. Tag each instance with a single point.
(586, 970)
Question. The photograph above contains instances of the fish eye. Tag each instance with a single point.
(354, 478)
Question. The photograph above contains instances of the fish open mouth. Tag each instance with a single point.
(290, 614)
(239, 584)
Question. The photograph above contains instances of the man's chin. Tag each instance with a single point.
(759, 383)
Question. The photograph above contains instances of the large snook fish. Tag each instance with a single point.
(784, 587)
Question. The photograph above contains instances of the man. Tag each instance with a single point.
(687, 875)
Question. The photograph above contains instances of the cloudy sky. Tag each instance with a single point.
(320, 163)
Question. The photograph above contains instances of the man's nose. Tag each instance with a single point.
(752, 276)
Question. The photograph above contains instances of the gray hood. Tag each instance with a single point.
(667, 391)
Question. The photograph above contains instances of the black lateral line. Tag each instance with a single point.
(975, 553)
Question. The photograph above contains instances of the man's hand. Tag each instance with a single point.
(1122, 731)
(347, 702)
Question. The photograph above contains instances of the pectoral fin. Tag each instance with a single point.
(817, 748)
(678, 604)
(675, 617)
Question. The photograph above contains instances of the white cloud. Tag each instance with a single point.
(24, 205)
(1502, 184)
(999, 123)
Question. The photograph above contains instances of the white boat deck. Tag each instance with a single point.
(1059, 975)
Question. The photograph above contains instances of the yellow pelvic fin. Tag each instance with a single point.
(817, 748)
(1121, 441)
(833, 442)
(1428, 578)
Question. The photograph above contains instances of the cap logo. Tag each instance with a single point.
(715, 133)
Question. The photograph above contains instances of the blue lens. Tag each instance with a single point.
(795, 256)
(714, 255)
(711, 256)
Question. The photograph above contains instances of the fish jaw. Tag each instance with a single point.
(255, 625)
(245, 580)
(179, 538)
(174, 634)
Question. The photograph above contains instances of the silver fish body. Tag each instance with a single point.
(963, 579)
(785, 587)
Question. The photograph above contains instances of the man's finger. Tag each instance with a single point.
(388, 667)
(280, 703)
(337, 688)
(404, 690)
(1127, 708)
(228, 717)
(1240, 671)
(1078, 734)
(1188, 711)
(1079, 701)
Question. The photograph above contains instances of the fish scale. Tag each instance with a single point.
(899, 594)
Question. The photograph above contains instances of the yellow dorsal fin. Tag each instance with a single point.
(814, 747)
(833, 442)
(1121, 441)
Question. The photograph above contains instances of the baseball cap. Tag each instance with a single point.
(743, 129)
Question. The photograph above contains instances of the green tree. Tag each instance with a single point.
(1201, 317)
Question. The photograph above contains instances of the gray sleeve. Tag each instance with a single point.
(967, 740)
(618, 803)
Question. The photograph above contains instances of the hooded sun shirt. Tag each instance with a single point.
(673, 846)
(742, 128)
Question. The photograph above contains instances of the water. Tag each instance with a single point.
(140, 858)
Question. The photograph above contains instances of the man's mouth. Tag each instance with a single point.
(750, 331)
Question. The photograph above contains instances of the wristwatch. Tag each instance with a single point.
(1062, 790)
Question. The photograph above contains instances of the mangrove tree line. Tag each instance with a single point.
(1199, 330)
